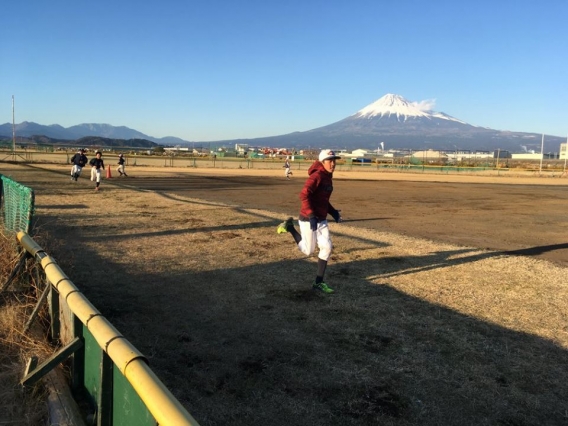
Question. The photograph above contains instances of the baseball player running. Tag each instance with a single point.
(313, 215)
(97, 165)
(79, 160)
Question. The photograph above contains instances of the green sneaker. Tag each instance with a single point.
(284, 226)
(323, 287)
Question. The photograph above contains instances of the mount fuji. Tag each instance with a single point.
(402, 124)
(395, 106)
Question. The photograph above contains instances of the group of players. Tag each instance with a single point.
(79, 160)
(315, 206)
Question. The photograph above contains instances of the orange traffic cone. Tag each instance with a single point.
(108, 172)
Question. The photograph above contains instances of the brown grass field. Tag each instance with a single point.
(450, 303)
(18, 406)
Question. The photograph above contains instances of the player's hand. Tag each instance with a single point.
(336, 215)
(314, 223)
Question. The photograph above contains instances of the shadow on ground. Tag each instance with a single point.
(256, 346)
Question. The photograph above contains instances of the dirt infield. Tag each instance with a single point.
(448, 309)
(525, 216)
(519, 214)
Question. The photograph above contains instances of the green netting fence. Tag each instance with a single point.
(16, 205)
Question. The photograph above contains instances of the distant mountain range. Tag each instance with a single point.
(55, 131)
(393, 120)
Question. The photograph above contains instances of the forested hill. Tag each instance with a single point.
(87, 141)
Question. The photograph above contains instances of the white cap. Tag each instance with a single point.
(327, 154)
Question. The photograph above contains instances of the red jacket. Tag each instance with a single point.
(316, 192)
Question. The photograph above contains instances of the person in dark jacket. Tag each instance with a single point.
(79, 160)
(313, 215)
(97, 166)
(120, 168)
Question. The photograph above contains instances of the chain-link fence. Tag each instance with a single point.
(16, 205)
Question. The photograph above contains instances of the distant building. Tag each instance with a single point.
(501, 154)
(356, 153)
(466, 155)
(563, 152)
(526, 156)
(430, 156)
(176, 149)
(241, 148)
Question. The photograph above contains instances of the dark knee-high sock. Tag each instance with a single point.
(295, 234)
(322, 264)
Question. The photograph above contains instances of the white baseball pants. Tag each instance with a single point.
(320, 237)
(95, 174)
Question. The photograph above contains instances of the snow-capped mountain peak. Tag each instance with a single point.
(395, 105)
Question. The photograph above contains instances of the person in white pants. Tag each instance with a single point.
(120, 168)
(79, 160)
(97, 166)
(287, 171)
(315, 207)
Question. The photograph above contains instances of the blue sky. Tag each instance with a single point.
(219, 69)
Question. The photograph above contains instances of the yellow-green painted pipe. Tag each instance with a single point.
(102, 330)
(82, 308)
(56, 276)
(165, 408)
(120, 350)
(28, 243)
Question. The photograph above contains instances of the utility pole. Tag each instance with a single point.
(13, 128)
(541, 154)
(565, 154)
(456, 158)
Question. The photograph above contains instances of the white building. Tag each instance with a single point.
(430, 155)
(563, 151)
(527, 156)
(242, 148)
(459, 156)
(176, 149)
(356, 153)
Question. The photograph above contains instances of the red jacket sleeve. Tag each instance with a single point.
(307, 195)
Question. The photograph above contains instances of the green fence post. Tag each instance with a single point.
(78, 358)
(54, 313)
(105, 396)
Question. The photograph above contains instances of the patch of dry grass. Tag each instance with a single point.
(18, 406)
(418, 333)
